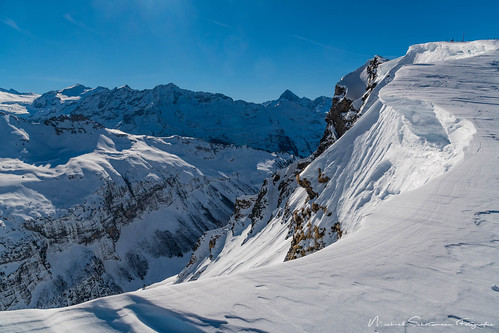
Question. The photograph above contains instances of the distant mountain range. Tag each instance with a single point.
(289, 124)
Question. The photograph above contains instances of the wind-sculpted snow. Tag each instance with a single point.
(418, 223)
(289, 124)
(436, 52)
(87, 211)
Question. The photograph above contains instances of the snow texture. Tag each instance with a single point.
(414, 185)
(14, 102)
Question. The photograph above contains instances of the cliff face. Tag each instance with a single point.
(349, 97)
(87, 212)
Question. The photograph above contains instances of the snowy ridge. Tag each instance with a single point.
(14, 102)
(435, 52)
(87, 211)
(289, 124)
(414, 255)
(346, 183)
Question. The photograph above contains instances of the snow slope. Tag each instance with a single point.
(259, 231)
(14, 102)
(403, 140)
(289, 124)
(87, 211)
(414, 185)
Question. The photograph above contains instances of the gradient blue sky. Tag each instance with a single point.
(250, 50)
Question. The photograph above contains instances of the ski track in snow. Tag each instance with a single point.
(428, 253)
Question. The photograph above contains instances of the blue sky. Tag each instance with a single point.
(250, 50)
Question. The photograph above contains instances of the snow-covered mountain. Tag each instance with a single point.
(289, 124)
(87, 211)
(403, 205)
(274, 219)
(14, 102)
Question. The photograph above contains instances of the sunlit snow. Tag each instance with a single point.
(415, 185)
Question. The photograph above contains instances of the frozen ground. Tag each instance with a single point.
(419, 259)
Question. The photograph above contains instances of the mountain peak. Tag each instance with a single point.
(75, 90)
(289, 95)
(10, 91)
(172, 85)
(169, 86)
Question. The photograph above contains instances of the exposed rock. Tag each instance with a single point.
(349, 97)
(307, 186)
(322, 178)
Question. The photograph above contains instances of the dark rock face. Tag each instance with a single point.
(74, 124)
(288, 200)
(344, 111)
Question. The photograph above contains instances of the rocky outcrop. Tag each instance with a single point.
(349, 97)
(348, 101)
